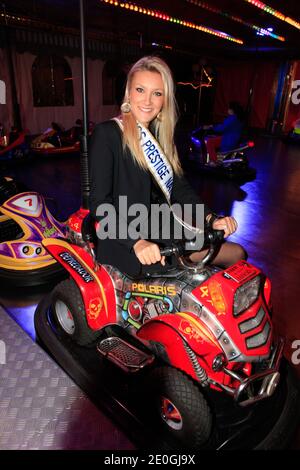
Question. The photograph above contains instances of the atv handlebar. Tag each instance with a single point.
(212, 237)
(169, 251)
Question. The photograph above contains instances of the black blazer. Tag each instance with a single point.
(114, 173)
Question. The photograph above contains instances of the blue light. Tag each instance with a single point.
(263, 32)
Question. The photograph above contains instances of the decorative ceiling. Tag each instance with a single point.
(194, 27)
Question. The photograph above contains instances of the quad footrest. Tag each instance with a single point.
(124, 354)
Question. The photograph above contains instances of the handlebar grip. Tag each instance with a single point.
(168, 251)
(214, 236)
(219, 234)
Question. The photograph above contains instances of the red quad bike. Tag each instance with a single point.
(233, 164)
(193, 350)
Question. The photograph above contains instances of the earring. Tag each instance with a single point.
(125, 107)
(159, 117)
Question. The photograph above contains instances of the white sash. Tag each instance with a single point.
(160, 168)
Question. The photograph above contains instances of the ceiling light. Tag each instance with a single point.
(275, 13)
(166, 17)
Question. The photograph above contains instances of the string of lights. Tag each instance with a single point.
(196, 87)
(165, 17)
(275, 13)
(207, 76)
(8, 19)
(261, 31)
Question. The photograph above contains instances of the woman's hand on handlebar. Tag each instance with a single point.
(228, 224)
(148, 252)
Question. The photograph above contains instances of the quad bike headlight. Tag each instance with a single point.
(246, 295)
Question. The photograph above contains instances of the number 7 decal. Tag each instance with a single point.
(29, 201)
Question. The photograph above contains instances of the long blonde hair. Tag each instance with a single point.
(164, 126)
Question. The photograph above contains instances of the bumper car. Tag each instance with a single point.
(46, 149)
(191, 355)
(24, 222)
(56, 141)
(233, 164)
(293, 137)
(13, 149)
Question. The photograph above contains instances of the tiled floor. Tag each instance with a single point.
(41, 408)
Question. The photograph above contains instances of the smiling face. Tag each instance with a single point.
(146, 96)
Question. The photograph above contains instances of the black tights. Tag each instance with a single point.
(228, 254)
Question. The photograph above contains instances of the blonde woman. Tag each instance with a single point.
(134, 156)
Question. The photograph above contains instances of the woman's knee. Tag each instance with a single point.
(238, 253)
(229, 254)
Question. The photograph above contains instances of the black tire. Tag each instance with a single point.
(9, 230)
(8, 188)
(68, 314)
(35, 277)
(284, 428)
(178, 408)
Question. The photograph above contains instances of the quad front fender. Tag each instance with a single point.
(177, 333)
(95, 286)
